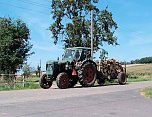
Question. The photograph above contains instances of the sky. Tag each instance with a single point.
(134, 33)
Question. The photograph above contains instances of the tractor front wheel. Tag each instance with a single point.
(44, 83)
(62, 80)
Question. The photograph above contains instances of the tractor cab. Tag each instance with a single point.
(77, 54)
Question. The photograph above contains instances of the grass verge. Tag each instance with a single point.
(19, 86)
(147, 92)
(138, 79)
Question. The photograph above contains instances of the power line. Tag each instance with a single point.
(31, 10)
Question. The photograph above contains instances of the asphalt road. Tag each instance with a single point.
(103, 101)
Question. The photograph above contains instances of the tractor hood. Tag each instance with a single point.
(59, 61)
(54, 67)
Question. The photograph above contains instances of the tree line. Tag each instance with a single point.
(144, 60)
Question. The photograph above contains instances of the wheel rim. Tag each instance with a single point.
(44, 83)
(89, 73)
(63, 80)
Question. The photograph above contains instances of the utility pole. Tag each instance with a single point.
(92, 34)
(40, 69)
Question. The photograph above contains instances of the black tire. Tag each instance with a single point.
(122, 79)
(87, 74)
(44, 83)
(62, 80)
(73, 81)
(101, 81)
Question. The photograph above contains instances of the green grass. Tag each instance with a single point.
(19, 86)
(29, 83)
(148, 92)
(138, 79)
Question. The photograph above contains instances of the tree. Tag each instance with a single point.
(14, 44)
(38, 71)
(103, 54)
(77, 31)
(26, 70)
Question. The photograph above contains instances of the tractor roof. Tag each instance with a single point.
(78, 48)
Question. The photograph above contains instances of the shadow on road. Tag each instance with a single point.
(96, 85)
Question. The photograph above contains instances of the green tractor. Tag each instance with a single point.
(76, 65)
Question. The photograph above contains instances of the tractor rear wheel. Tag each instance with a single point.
(122, 79)
(87, 74)
(44, 83)
(62, 80)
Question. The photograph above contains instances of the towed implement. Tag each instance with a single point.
(77, 66)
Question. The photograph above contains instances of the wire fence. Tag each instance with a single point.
(8, 77)
(13, 80)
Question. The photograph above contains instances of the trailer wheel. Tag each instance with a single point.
(44, 83)
(62, 80)
(122, 78)
(87, 74)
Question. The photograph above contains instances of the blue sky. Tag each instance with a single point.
(134, 19)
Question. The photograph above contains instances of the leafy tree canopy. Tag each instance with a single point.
(14, 44)
(72, 23)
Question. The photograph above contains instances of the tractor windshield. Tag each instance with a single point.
(72, 54)
(78, 53)
(69, 54)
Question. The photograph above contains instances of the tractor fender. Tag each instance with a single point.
(89, 61)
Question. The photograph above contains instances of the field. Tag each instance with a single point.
(140, 68)
(139, 72)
